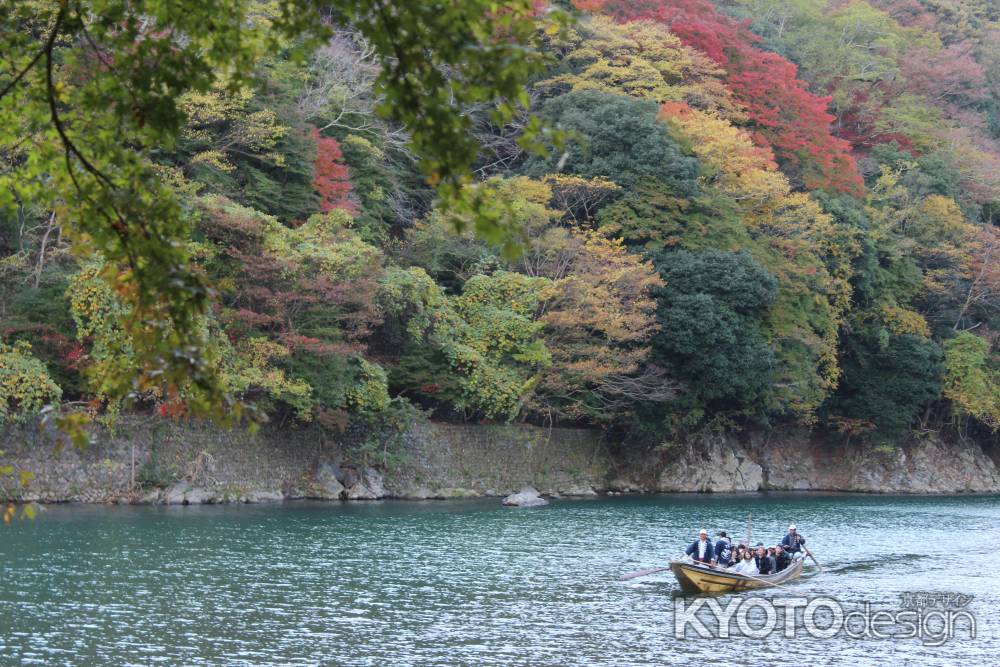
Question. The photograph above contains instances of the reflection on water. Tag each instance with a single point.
(463, 582)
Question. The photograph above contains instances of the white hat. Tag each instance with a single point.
(791, 527)
(703, 532)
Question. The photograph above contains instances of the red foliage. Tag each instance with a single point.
(173, 408)
(676, 110)
(49, 345)
(331, 179)
(785, 115)
(68, 353)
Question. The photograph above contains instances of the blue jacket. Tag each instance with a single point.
(792, 546)
(723, 552)
(692, 551)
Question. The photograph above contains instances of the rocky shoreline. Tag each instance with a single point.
(149, 461)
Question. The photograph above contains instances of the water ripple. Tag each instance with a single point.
(463, 582)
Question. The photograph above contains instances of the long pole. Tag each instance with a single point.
(749, 527)
(809, 553)
(642, 573)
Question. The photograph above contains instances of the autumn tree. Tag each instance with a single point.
(95, 88)
(980, 301)
(932, 233)
(592, 315)
(25, 384)
(784, 114)
(331, 180)
(598, 326)
(298, 304)
(641, 59)
(598, 317)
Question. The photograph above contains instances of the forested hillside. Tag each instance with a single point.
(749, 212)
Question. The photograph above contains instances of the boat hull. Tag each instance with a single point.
(696, 578)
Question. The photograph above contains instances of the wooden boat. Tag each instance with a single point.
(699, 578)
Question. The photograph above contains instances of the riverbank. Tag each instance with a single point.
(148, 460)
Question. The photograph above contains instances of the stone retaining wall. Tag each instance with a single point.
(153, 460)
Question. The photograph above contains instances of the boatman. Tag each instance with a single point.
(701, 549)
(723, 550)
(792, 542)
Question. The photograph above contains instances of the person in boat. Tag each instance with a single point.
(701, 549)
(723, 550)
(747, 565)
(765, 563)
(792, 542)
(781, 559)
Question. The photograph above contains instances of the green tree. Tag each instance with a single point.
(710, 315)
(888, 378)
(614, 137)
(972, 379)
(488, 337)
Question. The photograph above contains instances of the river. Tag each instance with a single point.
(472, 583)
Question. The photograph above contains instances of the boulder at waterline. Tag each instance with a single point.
(325, 483)
(183, 493)
(526, 497)
(368, 486)
(265, 496)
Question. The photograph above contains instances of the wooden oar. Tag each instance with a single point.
(809, 553)
(642, 573)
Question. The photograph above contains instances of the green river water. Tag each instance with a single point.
(473, 583)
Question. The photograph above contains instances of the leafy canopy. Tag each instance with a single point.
(94, 89)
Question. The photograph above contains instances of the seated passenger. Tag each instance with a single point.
(781, 559)
(765, 564)
(747, 565)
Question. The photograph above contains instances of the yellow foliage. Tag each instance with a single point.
(904, 321)
(642, 59)
(746, 172)
(221, 122)
(248, 368)
(25, 384)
